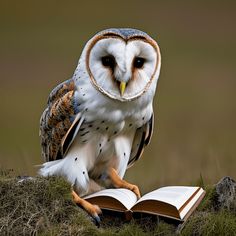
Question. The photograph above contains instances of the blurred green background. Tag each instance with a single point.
(195, 108)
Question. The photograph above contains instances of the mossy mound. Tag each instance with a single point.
(43, 206)
(40, 206)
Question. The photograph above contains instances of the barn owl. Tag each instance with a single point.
(97, 123)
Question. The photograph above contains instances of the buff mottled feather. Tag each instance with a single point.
(57, 119)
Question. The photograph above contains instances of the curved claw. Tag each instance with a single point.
(92, 210)
(97, 220)
(135, 189)
(95, 216)
(120, 183)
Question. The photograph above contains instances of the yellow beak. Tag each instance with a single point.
(122, 88)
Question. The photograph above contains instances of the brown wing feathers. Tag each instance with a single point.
(57, 119)
(61, 90)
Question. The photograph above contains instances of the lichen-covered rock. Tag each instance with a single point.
(226, 194)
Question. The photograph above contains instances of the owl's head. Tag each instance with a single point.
(123, 63)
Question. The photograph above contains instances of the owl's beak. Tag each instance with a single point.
(122, 88)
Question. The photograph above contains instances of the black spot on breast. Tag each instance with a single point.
(124, 154)
(76, 159)
(130, 125)
(143, 118)
(83, 172)
(103, 121)
(84, 133)
(115, 132)
(97, 128)
(107, 128)
(86, 109)
(83, 94)
(100, 150)
(90, 126)
(100, 144)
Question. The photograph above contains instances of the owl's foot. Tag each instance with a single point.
(93, 210)
(134, 188)
(120, 183)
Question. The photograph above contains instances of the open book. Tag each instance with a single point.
(176, 202)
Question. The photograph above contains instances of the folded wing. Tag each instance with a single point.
(141, 140)
(59, 121)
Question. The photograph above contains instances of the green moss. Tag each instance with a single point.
(209, 201)
(211, 223)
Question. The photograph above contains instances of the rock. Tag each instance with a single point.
(225, 194)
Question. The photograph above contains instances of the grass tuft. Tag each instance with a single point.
(164, 229)
(211, 223)
(209, 201)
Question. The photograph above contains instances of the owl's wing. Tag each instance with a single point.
(59, 122)
(142, 138)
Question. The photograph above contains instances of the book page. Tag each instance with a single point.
(173, 195)
(124, 196)
(191, 203)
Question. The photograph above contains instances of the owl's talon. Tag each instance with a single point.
(95, 213)
(120, 183)
(97, 209)
(92, 210)
(97, 220)
(135, 189)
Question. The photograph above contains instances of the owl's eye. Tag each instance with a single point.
(108, 61)
(138, 62)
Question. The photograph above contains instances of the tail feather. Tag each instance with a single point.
(50, 168)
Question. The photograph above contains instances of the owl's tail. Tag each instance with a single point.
(50, 168)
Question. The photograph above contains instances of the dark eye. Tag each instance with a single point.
(108, 61)
(138, 62)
